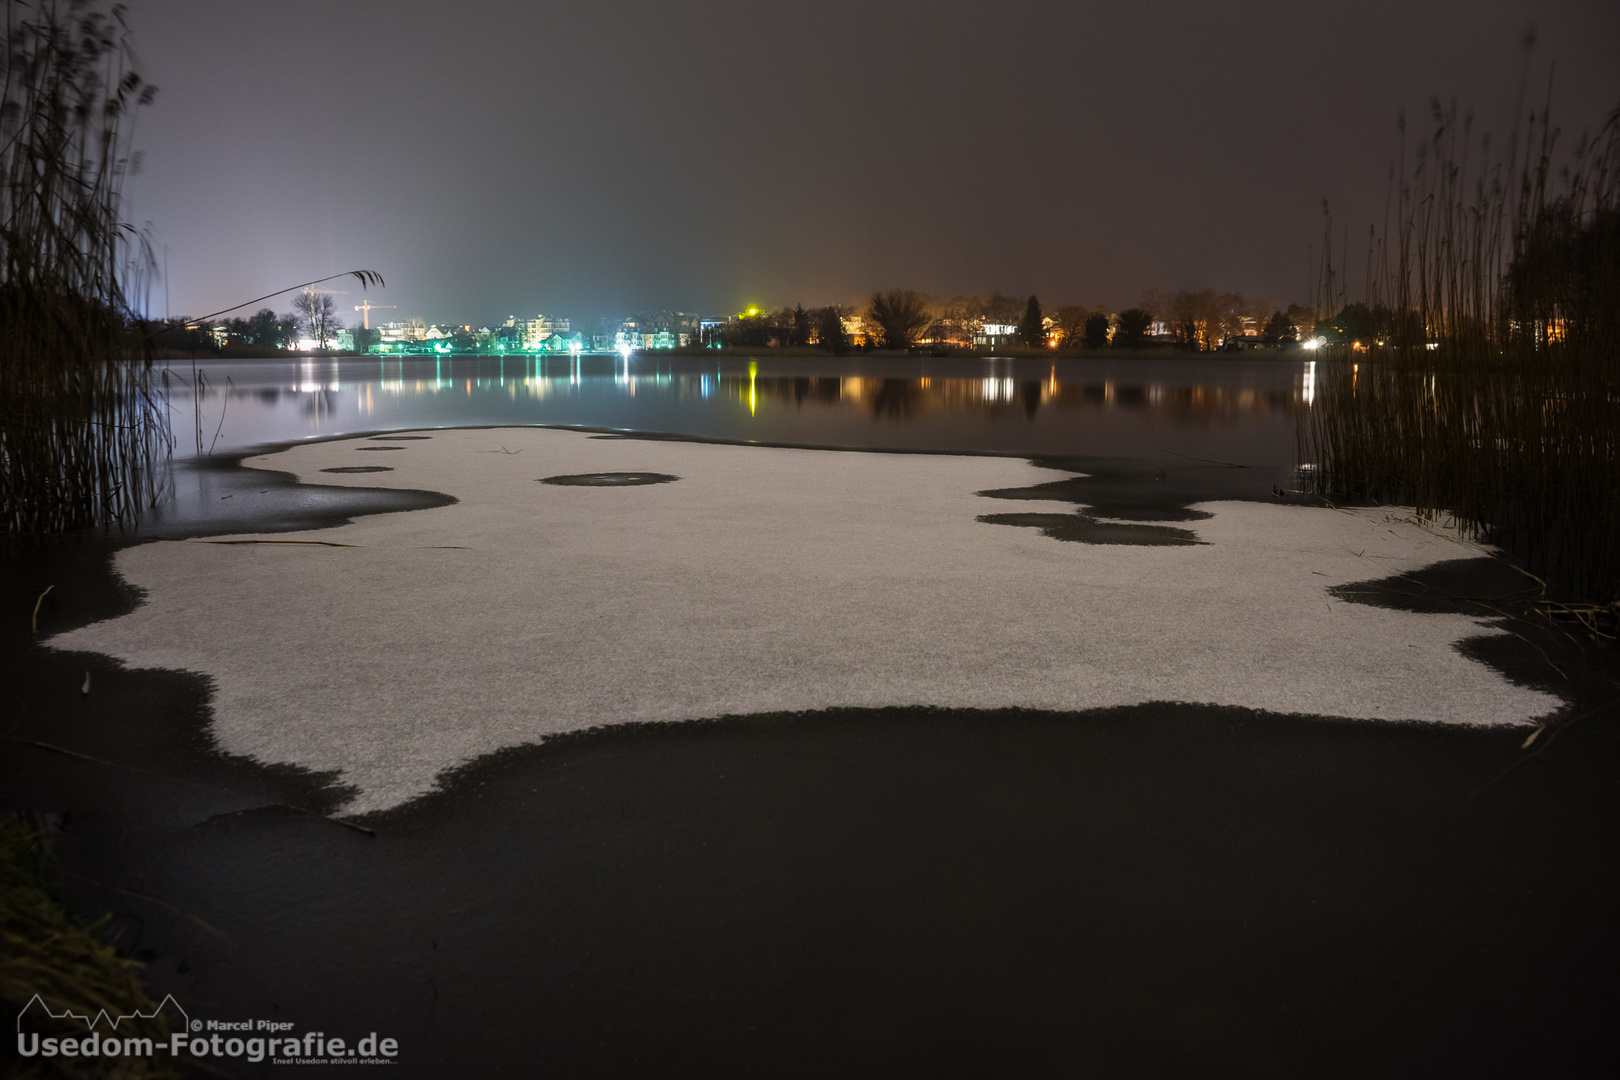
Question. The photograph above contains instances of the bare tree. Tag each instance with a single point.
(1302, 318)
(1003, 310)
(900, 316)
(1256, 310)
(1071, 325)
(1236, 318)
(318, 313)
(1159, 306)
(961, 319)
(1196, 318)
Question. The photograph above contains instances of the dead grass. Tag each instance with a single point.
(70, 967)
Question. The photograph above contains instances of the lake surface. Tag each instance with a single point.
(1233, 410)
(1164, 411)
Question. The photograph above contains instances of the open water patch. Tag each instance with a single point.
(1125, 502)
(609, 479)
(1085, 529)
(399, 438)
(359, 469)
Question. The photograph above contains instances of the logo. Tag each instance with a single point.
(133, 1035)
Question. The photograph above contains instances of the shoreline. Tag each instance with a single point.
(1157, 352)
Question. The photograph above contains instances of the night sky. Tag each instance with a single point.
(595, 158)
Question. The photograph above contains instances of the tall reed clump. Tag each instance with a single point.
(1490, 388)
(84, 433)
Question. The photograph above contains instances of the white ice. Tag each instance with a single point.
(763, 580)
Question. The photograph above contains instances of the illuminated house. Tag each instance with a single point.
(995, 335)
(854, 329)
(530, 335)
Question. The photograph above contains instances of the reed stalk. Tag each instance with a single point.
(1489, 390)
(84, 432)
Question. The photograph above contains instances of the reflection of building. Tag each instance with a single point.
(1186, 405)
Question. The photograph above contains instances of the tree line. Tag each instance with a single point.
(906, 319)
(314, 316)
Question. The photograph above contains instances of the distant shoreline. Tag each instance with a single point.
(1151, 352)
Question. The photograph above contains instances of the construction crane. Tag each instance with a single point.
(367, 307)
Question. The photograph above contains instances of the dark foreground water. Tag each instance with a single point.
(1164, 890)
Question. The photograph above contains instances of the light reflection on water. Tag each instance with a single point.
(1224, 409)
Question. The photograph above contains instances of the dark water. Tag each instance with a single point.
(1234, 410)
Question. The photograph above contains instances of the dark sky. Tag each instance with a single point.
(590, 157)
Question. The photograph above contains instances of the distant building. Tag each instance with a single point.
(995, 335)
(854, 329)
(531, 334)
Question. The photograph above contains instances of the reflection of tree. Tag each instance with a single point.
(1031, 393)
(895, 399)
(320, 403)
(909, 399)
(825, 391)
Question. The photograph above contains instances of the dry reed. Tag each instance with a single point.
(84, 430)
(1490, 388)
